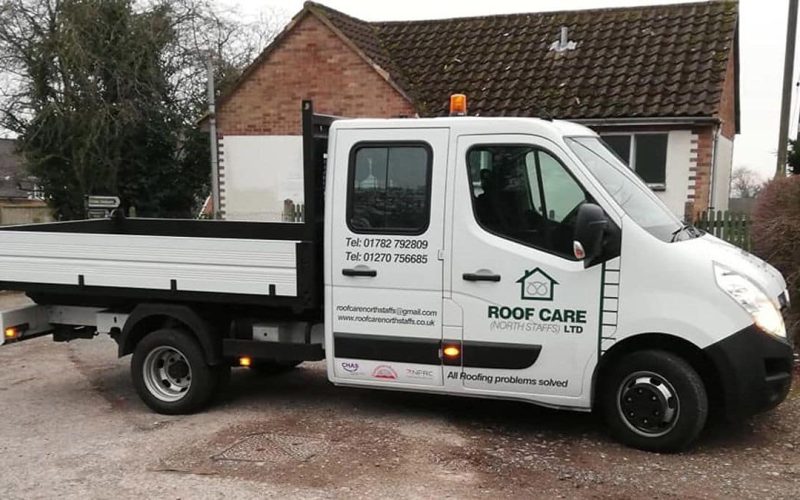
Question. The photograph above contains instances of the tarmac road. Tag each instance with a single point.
(72, 427)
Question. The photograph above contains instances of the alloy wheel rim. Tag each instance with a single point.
(167, 374)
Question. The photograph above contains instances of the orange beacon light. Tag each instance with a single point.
(458, 105)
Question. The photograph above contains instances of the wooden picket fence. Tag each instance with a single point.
(293, 212)
(730, 226)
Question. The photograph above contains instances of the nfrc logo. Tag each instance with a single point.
(536, 285)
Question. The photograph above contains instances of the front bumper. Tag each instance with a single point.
(755, 371)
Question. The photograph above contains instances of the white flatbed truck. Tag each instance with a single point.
(507, 258)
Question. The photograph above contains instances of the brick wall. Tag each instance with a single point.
(727, 104)
(310, 62)
(700, 172)
(699, 198)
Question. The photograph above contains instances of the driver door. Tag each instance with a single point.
(531, 310)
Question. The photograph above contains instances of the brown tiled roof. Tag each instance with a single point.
(10, 171)
(645, 62)
(363, 34)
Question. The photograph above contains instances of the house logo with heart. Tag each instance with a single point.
(536, 285)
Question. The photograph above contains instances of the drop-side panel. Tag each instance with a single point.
(183, 264)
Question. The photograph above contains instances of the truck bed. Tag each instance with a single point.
(109, 262)
(250, 267)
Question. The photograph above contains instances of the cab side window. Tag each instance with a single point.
(525, 194)
(389, 189)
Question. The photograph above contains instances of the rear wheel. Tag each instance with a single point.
(170, 373)
(655, 401)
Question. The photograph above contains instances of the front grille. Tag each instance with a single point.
(777, 367)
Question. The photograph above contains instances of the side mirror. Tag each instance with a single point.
(590, 226)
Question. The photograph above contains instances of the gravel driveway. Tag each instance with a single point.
(72, 427)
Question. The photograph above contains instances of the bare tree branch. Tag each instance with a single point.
(745, 183)
(104, 94)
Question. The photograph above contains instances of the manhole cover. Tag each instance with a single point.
(273, 448)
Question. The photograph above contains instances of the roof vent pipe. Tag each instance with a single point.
(563, 43)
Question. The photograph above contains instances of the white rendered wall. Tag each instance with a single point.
(259, 172)
(723, 163)
(679, 161)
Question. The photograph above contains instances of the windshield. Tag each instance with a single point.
(625, 187)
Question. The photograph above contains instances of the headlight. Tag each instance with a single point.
(747, 294)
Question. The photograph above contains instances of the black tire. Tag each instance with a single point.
(273, 367)
(170, 373)
(654, 401)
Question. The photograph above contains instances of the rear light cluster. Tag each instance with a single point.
(14, 332)
(10, 333)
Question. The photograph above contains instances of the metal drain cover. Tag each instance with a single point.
(273, 448)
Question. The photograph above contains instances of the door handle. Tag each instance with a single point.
(365, 272)
(481, 277)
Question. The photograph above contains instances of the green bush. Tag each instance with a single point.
(776, 235)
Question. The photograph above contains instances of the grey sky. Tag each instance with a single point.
(762, 37)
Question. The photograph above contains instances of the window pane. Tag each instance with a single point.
(533, 181)
(407, 188)
(503, 203)
(369, 195)
(562, 194)
(651, 157)
(510, 203)
(478, 160)
(625, 187)
(371, 169)
(620, 144)
(390, 189)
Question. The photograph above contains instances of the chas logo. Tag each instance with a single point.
(349, 367)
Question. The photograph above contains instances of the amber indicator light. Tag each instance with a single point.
(452, 351)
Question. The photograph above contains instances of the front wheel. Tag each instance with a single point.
(170, 373)
(655, 401)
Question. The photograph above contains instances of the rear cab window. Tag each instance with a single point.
(389, 188)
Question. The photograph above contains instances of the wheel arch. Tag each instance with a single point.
(146, 318)
(691, 353)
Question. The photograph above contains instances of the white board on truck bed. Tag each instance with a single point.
(217, 265)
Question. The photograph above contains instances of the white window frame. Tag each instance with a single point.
(655, 186)
(37, 193)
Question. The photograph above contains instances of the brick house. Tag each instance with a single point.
(659, 83)
(20, 203)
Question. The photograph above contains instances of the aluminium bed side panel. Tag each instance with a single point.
(215, 265)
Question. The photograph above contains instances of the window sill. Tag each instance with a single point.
(657, 187)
